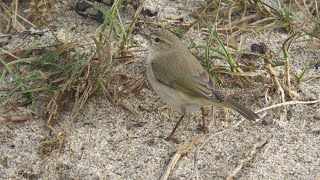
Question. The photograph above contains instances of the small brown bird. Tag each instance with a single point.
(180, 80)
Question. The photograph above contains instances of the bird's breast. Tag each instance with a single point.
(176, 99)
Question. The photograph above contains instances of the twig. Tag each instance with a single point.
(288, 103)
(195, 160)
(9, 53)
(287, 81)
(8, 12)
(247, 158)
(124, 106)
(16, 118)
(182, 150)
(273, 75)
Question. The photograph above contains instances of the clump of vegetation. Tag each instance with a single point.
(233, 18)
(62, 76)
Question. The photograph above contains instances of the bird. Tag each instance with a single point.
(181, 81)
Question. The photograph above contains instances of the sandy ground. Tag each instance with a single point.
(107, 142)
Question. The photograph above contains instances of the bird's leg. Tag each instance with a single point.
(175, 127)
(203, 126)
(203, 119)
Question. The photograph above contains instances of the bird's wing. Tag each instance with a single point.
(200, 86)
(190, 77)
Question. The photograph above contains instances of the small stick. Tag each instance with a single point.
(182, 150)
(247, 158)
(124, 106)
(273, 75)
(288, 103)
(195, 160)
(16, 118)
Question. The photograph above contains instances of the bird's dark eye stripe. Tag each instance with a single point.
(157, 39)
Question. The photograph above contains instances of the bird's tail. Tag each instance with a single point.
(247, 113)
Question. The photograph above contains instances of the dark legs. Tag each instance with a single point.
(203, 119)
(200, 127)
(175, 127)
(203, 127)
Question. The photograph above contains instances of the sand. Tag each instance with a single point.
(108, 142)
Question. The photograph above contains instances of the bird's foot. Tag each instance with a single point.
(172, 139)
(202, 128)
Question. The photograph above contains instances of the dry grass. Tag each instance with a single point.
(63, 77)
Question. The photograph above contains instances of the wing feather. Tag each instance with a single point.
(185, 73)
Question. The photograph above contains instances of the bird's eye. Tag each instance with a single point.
(157, 39)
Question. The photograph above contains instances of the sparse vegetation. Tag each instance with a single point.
(60, 70)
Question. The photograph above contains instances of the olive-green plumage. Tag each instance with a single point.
(180, 80)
